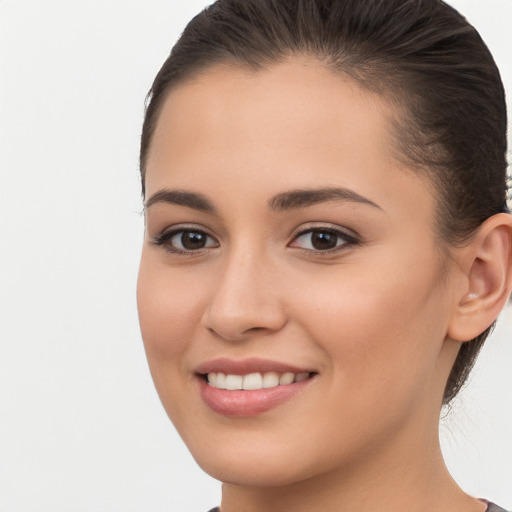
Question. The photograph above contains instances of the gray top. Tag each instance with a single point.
(494, 508)
(491, 508)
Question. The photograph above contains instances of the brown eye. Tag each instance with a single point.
(322, 240)
(190, 240)
(186, 240)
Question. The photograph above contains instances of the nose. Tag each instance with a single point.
(246, 299)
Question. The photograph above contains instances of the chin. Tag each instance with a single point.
(259, 459)
(248, 466)
(256, 473)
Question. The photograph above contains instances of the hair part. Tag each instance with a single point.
(420, 55)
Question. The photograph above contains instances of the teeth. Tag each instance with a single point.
(234, 382)
(221, 380)
(255, 380)
(212, 379)
(286, 378)
(270, 380)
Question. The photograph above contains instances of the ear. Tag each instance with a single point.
(487, 265)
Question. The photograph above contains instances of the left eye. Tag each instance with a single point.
(322, 240)
(186, 240)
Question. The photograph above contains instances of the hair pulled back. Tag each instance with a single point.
(421, 55)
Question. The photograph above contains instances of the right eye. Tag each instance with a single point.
(186, 240)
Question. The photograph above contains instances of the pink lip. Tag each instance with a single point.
(245, 366)
(242, 403)
(248, 403)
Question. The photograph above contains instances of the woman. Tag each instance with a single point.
(327, 246)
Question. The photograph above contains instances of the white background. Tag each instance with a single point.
(81, 428)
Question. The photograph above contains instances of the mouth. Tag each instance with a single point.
(250, 387)
(253, 381)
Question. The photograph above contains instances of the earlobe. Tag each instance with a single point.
(488, 269)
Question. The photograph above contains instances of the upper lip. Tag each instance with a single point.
(246, 366)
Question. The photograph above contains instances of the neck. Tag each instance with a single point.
(410, 478)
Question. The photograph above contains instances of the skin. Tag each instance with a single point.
(373, 318)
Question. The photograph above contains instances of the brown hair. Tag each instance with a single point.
(422, 55)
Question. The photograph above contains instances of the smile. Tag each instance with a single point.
(254, 381)
(250, 387)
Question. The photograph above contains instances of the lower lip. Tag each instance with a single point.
(244, 403)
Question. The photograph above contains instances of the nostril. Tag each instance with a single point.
(255, 329)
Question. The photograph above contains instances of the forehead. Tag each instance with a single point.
(295, 124)
(297, 103)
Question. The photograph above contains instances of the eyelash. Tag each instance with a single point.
(343, 240)
(165, 238)
(343, 237)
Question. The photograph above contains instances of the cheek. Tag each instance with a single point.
(170, 305)
(379, 327)
(382, 349)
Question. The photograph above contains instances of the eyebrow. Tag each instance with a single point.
(181, 198)
(290, 200)
(295, 199)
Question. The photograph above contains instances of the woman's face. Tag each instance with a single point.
(283, 241)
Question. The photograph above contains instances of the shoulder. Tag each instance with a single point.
(491, 508)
